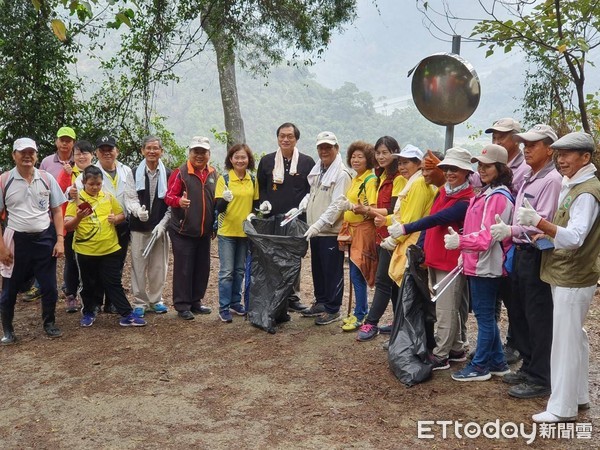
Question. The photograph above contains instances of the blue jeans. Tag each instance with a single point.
(232, 258)
(361, 307)
(489, 352)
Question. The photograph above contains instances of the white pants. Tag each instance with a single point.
(148, 275)
(569, 360)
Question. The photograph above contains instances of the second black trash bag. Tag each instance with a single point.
(277, 253)
(412, 331)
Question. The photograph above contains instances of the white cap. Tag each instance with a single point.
(410, 151)
(199, 142)
(23, 143)
(537, 133)
(326, 137)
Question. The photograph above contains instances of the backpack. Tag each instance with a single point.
(6, 179)
(220, 216)
(510, 253)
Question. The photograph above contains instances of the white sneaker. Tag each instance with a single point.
(548, 417)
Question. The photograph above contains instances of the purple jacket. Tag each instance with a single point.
(542, 190)
(482, 257)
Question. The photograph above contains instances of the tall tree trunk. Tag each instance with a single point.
(234, 124)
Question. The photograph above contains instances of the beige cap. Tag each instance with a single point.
(457, 157)
(24, 143)
(490, 154)
(504, 125)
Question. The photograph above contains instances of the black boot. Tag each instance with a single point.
(49, 325)
(7, 326)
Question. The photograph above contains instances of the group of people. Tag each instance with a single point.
(513, 224)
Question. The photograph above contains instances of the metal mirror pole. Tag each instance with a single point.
(450, 128)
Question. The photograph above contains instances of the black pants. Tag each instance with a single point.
(101, 275)
(385, 289)
(32, 255)
(191, 268)
(71, 271)
(531, 315)
(327, 262)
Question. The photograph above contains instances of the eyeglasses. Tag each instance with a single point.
(450, 169)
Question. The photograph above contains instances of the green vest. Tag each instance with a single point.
(579, 267)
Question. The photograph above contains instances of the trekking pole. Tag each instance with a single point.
(453, 276)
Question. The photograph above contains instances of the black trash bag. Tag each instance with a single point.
(409, 341)
(275, 264)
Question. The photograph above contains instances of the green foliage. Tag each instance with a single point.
(557, 36)
(38, 94)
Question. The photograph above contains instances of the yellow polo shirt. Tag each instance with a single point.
(245, 191)
(368, 195)
(95, 235)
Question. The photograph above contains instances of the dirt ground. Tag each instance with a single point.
(202, 383)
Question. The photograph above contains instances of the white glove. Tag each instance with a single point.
(158, 230)
(396, 229)
(250, 217)
(500, 231)
(142, 213)
(389, 243)
(314, 229)
(290, 212)
(304, 202)
(528, 216)
(265, 207)
(227, 195)
(451, 240)
(344, 204)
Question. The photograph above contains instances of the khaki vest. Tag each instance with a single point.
(320, 199)
(579, 267)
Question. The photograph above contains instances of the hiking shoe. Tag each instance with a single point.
(32, 294)
(132, 320)
(583, 406)
(517, 377)
(327, 318)
(225, 316)
(500, 371)
(472, 373)
(72, 304)
(52, 331)
(10, 338)
(350, 319)
(186, 315)
(437, 362)
(366, 332)
(201, 309)
(352, 326)
(314, 311)
(296, 306)
(159, 308)
(529, 390)
(238, 309)
(87, 320)
(457, 356)
(511, 355)
(139, 311)
(386, 329)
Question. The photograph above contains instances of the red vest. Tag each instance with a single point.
(436, 255)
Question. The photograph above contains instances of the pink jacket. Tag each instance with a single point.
(482, 257)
